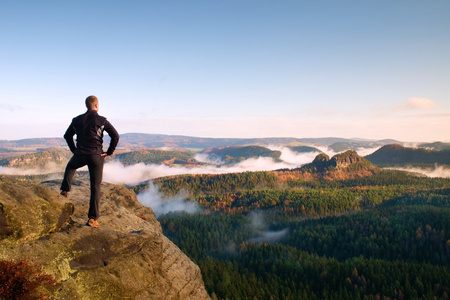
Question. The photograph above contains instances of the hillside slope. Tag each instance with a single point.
(235, 154)
(397, 155)
(128, 257)
(49, 159)
(143, 140)
(343, 166)
(157, 156)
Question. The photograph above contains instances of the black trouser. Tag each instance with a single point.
(95, 165)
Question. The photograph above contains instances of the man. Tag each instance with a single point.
(88, 151)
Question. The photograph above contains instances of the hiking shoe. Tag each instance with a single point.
(93, 223)
(64, 193)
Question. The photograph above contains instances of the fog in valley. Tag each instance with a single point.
(437, 171)
(261, 232)
(117, 173)
(162, 204)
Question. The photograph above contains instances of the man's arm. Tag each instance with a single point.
(114, 135)
(68, 136)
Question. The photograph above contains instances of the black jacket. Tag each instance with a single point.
(89, 129)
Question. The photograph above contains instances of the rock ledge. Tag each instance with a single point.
(128, 257)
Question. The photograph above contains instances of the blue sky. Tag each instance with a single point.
(369, 69)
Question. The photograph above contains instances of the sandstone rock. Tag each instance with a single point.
(128, 257)
(348, 158)
(342, 166)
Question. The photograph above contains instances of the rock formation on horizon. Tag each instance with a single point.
(344, 165)
(128, 257)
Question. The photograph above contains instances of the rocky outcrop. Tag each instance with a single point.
(128, 257)
(344, 165)
(347, 159)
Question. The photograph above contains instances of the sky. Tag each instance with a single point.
(375, 69)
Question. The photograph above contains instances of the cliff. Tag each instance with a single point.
(128, 257)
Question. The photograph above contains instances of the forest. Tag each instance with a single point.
(397, 155)
(289, 235)
(235, 154)
(156, 156)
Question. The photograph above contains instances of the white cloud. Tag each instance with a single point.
(15, 171)
(416, 103)
(421, 103)
(162, 204)
(437, 171)
(292, 157)
(116, 172)
(49, 168)
(260, 232)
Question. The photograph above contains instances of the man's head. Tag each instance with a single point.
(92, 103)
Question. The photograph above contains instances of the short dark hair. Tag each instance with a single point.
(91, 101)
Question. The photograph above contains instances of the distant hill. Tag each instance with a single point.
(156, 149)
(398, 155)
(132, 141)
(356, 144)
(347, 165)
(157, 156)
(304, 149)
(436, 146)
(45, 159)
(33, 143)
(5, 150)
(235, 154)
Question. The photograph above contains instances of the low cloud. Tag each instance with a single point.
(362, 151)
(270, 236)
(292, 157)
(366, 151)
(47, 169)
(436, 171)
(205, 158)
(116, 172)
(261, 232)
(16, 171)
(162, 204)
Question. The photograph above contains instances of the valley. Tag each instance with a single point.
(346, 232)
(287, 218)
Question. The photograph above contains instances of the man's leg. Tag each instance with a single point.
(76, 162)
(95, 166)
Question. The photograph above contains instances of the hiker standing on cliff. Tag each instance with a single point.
(88, 151)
